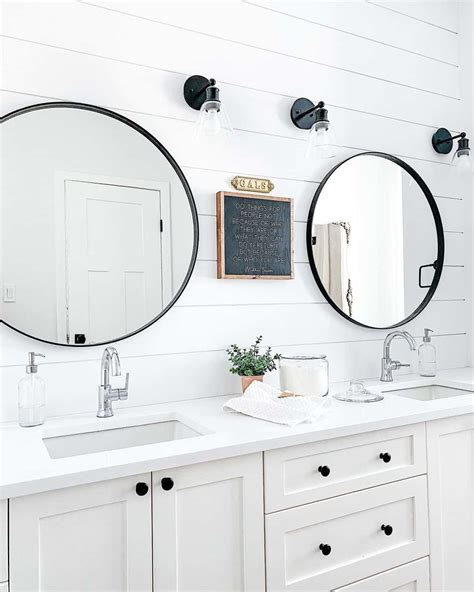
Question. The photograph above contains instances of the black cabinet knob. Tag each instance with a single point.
(325, 549)
(385, 456)
(141, 488)
(387, 529)
(167, 483)
(324, 470)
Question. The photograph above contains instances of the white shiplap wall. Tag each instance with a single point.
(391, 74)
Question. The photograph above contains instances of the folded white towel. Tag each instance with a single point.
(262, 401)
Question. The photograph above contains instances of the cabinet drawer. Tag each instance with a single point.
(413, 577)
(4, 587)
(3, 540)
(299, 474)
(350, 528)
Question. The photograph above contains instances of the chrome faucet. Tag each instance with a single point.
(388, 365)
(110, 361)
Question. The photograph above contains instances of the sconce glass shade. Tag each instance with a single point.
(213, 119)
(461, 156)
(462, 161)
(321, 141)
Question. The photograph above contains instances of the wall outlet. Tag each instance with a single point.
(9, 293)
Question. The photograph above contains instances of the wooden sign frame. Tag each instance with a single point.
(221, 271)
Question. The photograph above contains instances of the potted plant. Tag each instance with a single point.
(250, 364)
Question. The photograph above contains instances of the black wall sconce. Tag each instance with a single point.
(202, 94)
(306, 115)
(443, 143)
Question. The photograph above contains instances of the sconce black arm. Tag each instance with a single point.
(312, 109)
(442, 140)
(195, 89)
(461, 135)
(304, 113)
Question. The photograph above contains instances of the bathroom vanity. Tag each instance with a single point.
(374, 497)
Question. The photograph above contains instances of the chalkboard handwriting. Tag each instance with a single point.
(257, 237)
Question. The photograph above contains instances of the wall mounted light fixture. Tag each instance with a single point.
(443, 143)
(202, 94)
(306, 115)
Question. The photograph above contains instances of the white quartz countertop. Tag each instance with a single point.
(26, 467)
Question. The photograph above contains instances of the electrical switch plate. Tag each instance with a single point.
(9, 293)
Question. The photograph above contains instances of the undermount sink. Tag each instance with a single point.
(428, 393)
(116, 438)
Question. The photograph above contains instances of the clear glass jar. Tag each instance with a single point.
(305, 375)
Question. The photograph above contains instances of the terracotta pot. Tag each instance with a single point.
(247, 381)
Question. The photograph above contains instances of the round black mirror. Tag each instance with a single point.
(375, 240)
(99, 226)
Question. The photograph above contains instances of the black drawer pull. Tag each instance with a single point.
(387, 529)
(324, 470)
(141, 488)
(167, 483)
(385, 456)
(325, 549)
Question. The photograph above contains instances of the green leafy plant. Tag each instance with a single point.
(249, 361)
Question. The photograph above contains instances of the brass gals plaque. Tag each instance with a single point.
(252, 184)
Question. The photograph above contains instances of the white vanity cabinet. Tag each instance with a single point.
(88, 538)
(384, 511)
(208, 527)
(204, 522)
(450, 445)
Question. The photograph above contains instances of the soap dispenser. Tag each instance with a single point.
(31, 395)
(427, 356)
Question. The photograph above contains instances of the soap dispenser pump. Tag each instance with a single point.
(31, 395)
(427, 356)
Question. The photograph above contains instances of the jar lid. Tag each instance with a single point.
(315, 357)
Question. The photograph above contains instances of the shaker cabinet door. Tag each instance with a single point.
(92, 538)
(208, 527)
(451, 503)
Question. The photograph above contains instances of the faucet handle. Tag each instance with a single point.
(396, 365)
(123, 392)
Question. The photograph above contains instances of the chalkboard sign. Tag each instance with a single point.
(254, 236)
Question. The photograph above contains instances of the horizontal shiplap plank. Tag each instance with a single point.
(187, 329)
(369, 21)
(454, 243)
(205, 184)
(38, 70)
(144, 42)
(453, 213)
(246, 24)
(455, 248)
(440, 13)
(452, 285)
(155, 379)
(206, 290)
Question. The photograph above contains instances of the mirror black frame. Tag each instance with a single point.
(438, 266)
(138, 128)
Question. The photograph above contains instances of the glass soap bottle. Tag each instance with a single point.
(31, 395)
(427, 356)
